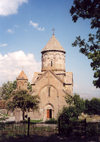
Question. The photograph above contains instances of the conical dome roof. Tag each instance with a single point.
(53, 44)
(22, 75)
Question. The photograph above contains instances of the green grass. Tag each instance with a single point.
(36, 121)
(41, 129)
(32, 121)
(51, 121)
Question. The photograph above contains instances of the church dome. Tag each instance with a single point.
(53, 45)
(53, 56)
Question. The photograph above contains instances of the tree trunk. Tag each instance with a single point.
(23, 115)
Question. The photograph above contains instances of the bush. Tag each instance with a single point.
(92, 129)
(92, 106)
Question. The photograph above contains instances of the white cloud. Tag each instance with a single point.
(8, 7)
(12, 63)
(10, 31)
(36, 26)
(3, 45)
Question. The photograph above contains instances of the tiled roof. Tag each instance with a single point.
(22, 75)
(53, 44)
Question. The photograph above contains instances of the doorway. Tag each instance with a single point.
(49, 113)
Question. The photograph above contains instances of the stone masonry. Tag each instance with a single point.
(52, 84)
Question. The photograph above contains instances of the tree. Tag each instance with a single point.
(23, 100)
(76, 102)
(92, 106)
(89, 9)
(7, 89)
(75, 108)
(29, 87)
(69, 115)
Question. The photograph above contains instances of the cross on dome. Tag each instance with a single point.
(53, 45)
(53, 30)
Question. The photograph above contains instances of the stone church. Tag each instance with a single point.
(52, 84)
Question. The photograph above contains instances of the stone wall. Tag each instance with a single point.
(50, 90)
(53, 60)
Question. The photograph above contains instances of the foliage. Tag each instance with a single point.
(7, 89)
(92, 129)
(89, 9)
(76, 103)
(29, 87)
(92, 106)
(23, 100)
(3, 117)
(68, 119)
(70, 114)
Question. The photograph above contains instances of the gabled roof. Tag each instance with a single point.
(53, 44)
(45, 74)
(22, 75)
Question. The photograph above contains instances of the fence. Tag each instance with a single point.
(69, 129)
(79, 128)
(21, 129)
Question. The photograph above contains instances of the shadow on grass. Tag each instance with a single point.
(47, 138)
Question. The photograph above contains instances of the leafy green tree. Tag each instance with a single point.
(7, 89)
(29, 87)
(70, 114)
(77, 102)
(89, 9)
(23, 100)
(75, 108)
(92, 106)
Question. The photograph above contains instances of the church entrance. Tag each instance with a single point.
(49, 113)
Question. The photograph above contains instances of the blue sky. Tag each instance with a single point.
(25, 28)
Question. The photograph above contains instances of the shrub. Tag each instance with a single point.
(92, 129)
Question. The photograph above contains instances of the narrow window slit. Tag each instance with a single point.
(49, 91)
(51, 63)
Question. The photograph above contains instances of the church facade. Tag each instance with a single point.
(52, 84)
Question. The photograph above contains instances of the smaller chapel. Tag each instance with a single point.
(52, 84)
